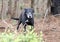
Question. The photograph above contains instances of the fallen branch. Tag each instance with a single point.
(9, 26)
(45, 16)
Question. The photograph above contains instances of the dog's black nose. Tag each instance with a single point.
(30, 17)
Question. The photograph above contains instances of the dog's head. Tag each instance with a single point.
(29, 12)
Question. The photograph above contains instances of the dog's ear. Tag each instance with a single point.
(25, 10)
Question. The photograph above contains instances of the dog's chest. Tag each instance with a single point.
(28, 22)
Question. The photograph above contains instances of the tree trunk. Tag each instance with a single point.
(2, 10)
(32, 3)
(10, 12)
(15, 8)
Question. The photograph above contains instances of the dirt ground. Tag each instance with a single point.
(50, 28)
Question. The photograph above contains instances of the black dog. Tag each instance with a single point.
(26, 18)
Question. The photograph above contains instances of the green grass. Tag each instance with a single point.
(30, 36)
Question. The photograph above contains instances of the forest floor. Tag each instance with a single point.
(50, 28)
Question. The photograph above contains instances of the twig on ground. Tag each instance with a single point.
(9, 26)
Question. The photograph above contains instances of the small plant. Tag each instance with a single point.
(29, 37)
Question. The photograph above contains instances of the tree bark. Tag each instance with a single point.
(2, 10)
(15, 8)
(9, 12)
(32, 3)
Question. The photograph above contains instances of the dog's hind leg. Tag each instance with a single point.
(19, 22)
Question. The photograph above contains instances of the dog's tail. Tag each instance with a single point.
(15, 18)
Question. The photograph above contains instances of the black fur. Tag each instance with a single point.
(55, 8)
(24, 18)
